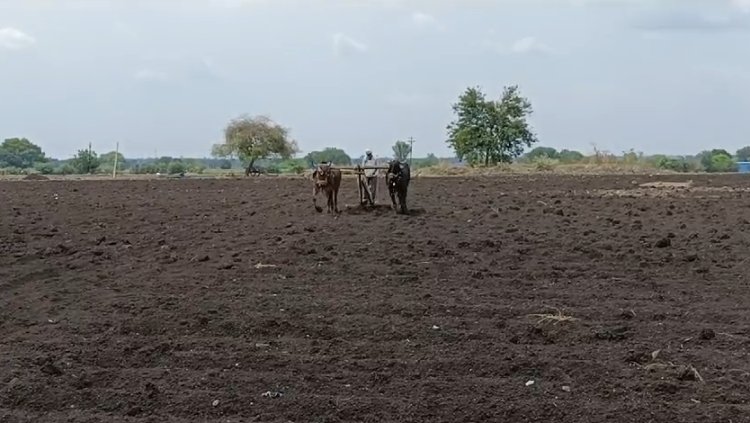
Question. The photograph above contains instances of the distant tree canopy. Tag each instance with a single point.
(537, 152)
(570, 156)
(20, 153)
(743, 154)
(107, 161)
(430, 160)
(716, 160)
(401, 150)
(489, 132)
(85, 162)
(253, 138)
(333, 155)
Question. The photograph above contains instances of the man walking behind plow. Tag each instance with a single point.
(371, 179)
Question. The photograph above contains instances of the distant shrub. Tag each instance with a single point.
(540, 152)
(12, 171)
(544, 163)
(65, 169)
(673, 164)
(195, 167)
(570, 156)
(177, 167)
(44, 168)
(273, 169)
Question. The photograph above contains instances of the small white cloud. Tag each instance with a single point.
(530, 45)
(344, 45)
(151, 75)
(424, 20)
(14, 39)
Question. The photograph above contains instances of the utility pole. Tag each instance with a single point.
(411, 150)
(88, 161)
(117, 153)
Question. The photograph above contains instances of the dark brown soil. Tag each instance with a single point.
(514, 299)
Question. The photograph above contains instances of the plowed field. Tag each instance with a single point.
(510, 299)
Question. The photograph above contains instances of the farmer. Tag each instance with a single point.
(371, 175)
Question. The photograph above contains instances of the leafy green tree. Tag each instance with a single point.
(707, 161)
(489, 132)
(20, 153)
(401, 150)
(722, 163)
(743, 154)
(336, 156)
(85, 162)
(225, 164)
(570, 156)
(253, 138)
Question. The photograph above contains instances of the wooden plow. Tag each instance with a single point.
(365, 194)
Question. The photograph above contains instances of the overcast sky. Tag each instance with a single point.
(165, 76)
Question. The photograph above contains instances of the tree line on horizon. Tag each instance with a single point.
(483, 133)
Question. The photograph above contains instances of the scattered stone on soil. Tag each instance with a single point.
(708, 334)
(51, 368)
(628, 314)
(272, 394)
(689, 373)
(663, 243)
(614, 334)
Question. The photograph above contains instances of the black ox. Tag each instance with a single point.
(397, 179)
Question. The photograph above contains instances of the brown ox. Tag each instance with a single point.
(327, 179)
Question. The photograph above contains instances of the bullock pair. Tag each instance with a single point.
(328, 179)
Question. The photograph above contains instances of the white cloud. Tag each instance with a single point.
(14, 39)
(424, 20)
(530, 45)
(344, 45)
(151, 75)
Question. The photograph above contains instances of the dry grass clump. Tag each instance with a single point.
(553, 318)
